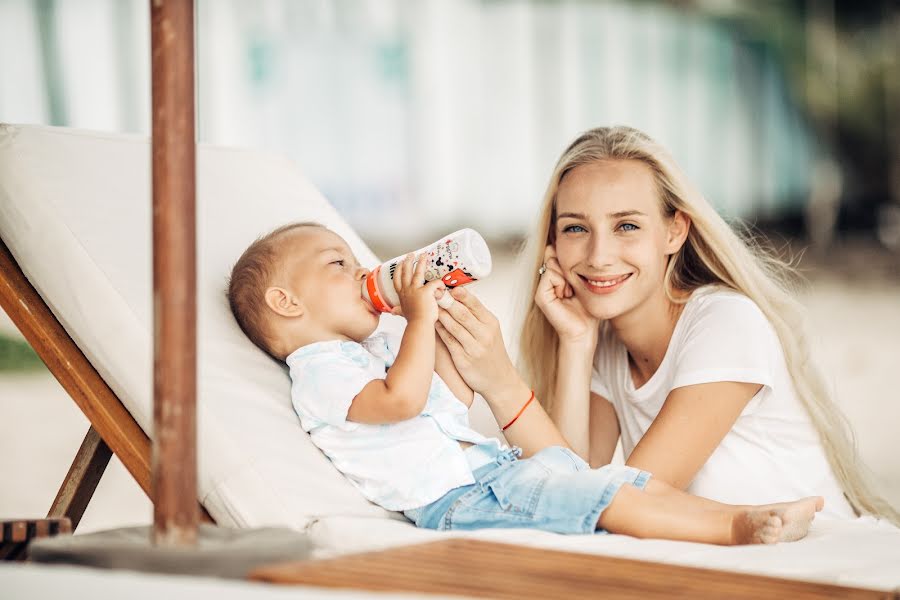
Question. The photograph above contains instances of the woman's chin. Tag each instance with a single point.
(603, 309)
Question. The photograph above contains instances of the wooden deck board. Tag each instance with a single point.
(491, 570)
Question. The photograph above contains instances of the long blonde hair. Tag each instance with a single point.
(713, 254)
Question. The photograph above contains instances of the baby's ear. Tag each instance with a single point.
(284, 303)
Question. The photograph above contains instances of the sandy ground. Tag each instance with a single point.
(857, 337)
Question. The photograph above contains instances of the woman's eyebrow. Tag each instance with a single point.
(615, 215)
(626, 213)
(571, 215)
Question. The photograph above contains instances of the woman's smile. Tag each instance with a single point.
(604, 285)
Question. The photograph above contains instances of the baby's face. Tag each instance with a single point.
(322, 271)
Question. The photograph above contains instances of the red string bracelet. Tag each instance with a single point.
(519, 414)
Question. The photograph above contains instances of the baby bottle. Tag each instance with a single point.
(458, 258)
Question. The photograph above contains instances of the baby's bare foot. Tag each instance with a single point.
(756, 526)
(796, 516)
(785, 522)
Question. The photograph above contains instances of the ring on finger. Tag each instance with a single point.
(542, 270)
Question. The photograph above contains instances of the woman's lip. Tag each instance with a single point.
(606, 289)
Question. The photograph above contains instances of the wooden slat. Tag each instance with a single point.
(76, 375)
(82, 479)
(491, 570)
(20, 530)
(62, 526)
(42, 528)
(16, 534)
(174, 273)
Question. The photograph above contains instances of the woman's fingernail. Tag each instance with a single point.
(445, 301)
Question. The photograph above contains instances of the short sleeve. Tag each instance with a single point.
(392, 342)
(324, 386)
(598, 385)
(604, 364)
(385, 345)
(390, 330)
(728, 338)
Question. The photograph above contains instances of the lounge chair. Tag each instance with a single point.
(74, 214)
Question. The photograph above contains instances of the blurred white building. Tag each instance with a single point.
(415, 116)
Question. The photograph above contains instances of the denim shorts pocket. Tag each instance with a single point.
(518, 489)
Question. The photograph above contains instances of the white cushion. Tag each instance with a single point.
(75, 212)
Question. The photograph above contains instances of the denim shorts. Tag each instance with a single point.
(554, 490)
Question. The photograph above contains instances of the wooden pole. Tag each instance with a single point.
(174, 460)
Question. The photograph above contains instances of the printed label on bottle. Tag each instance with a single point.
(443, 258)
(457, 277)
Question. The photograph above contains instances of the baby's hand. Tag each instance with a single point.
(417, 298)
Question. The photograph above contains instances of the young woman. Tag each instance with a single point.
(652, 322)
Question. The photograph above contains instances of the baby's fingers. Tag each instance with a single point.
(419, 272)
(408, 269)
(434, 285)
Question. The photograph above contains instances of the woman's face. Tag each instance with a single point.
(612, 240)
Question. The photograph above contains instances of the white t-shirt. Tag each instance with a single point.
(399, 465)
(773, 452)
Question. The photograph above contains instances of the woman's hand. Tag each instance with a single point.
(417, 298)
(556, 299)
(472, 335)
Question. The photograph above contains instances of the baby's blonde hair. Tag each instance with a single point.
(250, 277)
(713, 254)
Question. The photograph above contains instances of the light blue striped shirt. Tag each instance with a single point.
(400, 465)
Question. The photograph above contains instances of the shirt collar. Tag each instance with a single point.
(326, 346)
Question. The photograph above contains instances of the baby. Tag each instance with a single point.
(392, 415)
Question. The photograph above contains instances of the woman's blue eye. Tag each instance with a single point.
(573, 228)
(629, 227)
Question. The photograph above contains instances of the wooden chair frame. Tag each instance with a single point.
(112, 428)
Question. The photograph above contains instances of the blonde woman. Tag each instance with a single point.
(651, 322)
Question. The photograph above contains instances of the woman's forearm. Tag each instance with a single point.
(533, 430)
(446, 370)
(570, 408)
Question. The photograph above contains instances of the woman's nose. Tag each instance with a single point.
(600, 251)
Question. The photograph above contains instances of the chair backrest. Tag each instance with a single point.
(75, 213)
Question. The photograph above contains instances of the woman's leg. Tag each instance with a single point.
(672, 514)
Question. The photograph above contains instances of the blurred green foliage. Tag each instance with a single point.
(17, 355)
(841, 59)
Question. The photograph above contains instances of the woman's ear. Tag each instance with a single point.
(679, 227)
(283, 302)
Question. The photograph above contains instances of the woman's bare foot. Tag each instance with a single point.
(772, 523)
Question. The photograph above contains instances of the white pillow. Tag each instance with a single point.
(75, 212)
